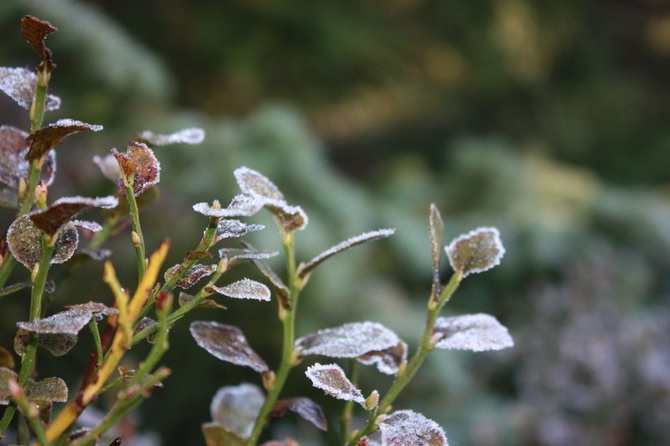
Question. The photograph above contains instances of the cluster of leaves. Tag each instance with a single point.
(44, 234)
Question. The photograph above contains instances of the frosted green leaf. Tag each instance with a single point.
(67, 322)
(240, 206)
(5, 376)
(290, 218)
(436, 242)
(331, 379)
(305, 269)
(217, 435)
(13, 166)
(58, 344)
(254, 183)
(51, 219)
(35, 32)
(227, 228)
(236, 407)
(236, 256)
(48, 389)
(476, 251)
(406, 427)
(192, 276)
(25, 242)
(20, 84)
(144, 324)
(139, 162)
(186, 136)
(304, 407)
(245, 289)
(48, 137)
(227, 343)
(476, 332)
(387, 361)
(108, 166)
(96, 308)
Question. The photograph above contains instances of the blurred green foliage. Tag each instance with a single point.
(548, 120)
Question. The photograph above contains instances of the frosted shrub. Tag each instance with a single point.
(43, 234)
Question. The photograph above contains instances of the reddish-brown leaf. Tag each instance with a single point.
(36, 31)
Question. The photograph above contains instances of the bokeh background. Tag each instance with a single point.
(547, 119)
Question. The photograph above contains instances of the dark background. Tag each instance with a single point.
(548, 120)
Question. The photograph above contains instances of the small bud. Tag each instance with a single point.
(268, 380)
(372, 401)
(23, 187)
(41, 193)
(135, 237)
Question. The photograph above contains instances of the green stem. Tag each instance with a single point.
(287, 317)
(93, 325)
(347, 413)
(160, 346)
(138, 238)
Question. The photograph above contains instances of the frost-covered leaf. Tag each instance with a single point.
(90, 226)
(227, 228)
(36, 31)
(476, 332)
(306, 268)
(436, 242)
(144, 324)
(67, 322)
(406, 427)
(186, 136)
(48, 137)
(25, 242)
(240, 206)
(5, 376)
(236, 256)
(237, 407)
(304, 407)
(227, 343)
(109, 166)
(51, 219)
(217, 435)
(51, 389)
(387, 361)
(476, 251)
(192, 276)
(245, 289)
(20, 84)
(140, 162)
(254, 183)
(6, 358)
(13, 149)
(331, 379)
(58, 344)
(350, 340)
(96, 308)
(290, 218)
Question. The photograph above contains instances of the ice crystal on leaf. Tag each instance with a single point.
(235, 255)
(48, 137)
(58, 344)
(371, 342)
(192, 276)
(227, 228)
(236, 407)
(25, 242)
(245, 289)
(96, 308)
(290, 218)
(67, 322)
(144, 324)
(226, 343)
(51, 389)
(139, 162)
(331, 379)
(64, 209)
(476, 332)
(254, 183)
(406, 427)
(476, 251)
(20, 85)
(240, 206)
(306, 268)
(13, 165)
(185, 136)
(306, 408)
(36, 31)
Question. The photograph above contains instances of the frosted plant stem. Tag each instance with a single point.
(287, 317)
(406, 375)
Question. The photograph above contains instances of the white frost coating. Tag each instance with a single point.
(107, 202)
(331, 379)
(88, 225)
(254, 183)
(234, 228)
(234, 254)
(192, 135)
(68, 322)
(240, 206)
(20, 84)
(477, 251)
(291, 217)
(236, 407)
(109, 166)
(406, 427)
(226, 343)
(348, 341)
(245, 289)
(476, 332)
(75, 123)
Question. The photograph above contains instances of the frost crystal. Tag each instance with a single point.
(256, 184)
(304, 407)
(387, 361)
(140, 162)
(25, 242)
(234, 228)
(348, 341)
(235, 256)
(87, 225)
(240, 206)
(227, 343)
(48, 389)
(48, 137)
(331, 379)
(64, 209)
(245, 289)
(58, 344)
(185, 136)
(406, 427)
(13, 165)
(236, 407)
(476, 251)
(290, 218)
(476, 332)
(96, 308)
(305, 269)
(68, 322)
(20, 84)
(192, 276)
